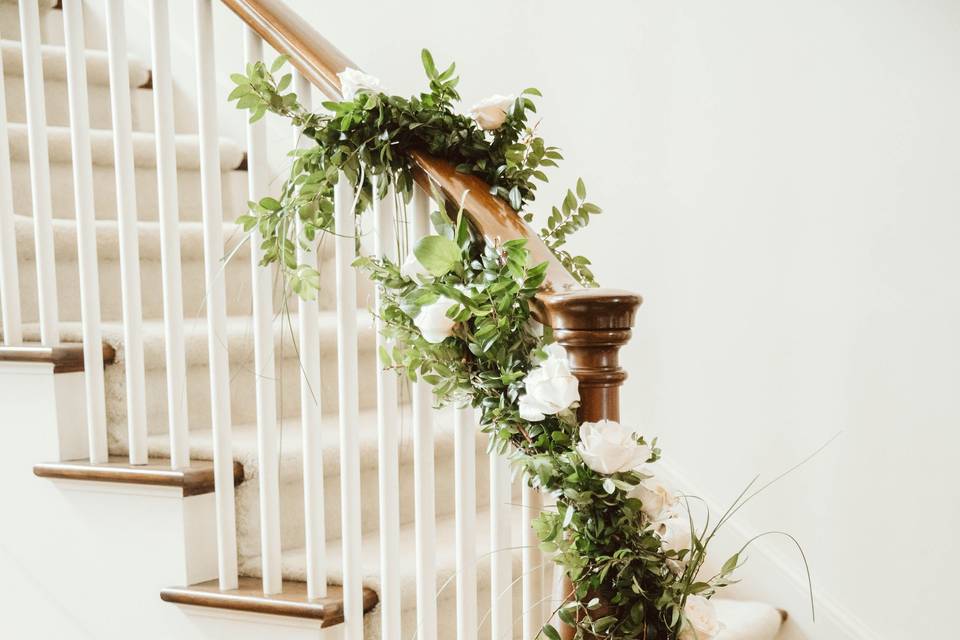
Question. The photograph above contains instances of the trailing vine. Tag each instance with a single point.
(457, 314)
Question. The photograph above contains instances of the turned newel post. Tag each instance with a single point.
(592, 325)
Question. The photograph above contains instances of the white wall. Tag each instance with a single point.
(780, 183)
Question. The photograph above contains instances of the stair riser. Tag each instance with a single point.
(242, 386)
(58, 106)
(291, 496)
(233, 185)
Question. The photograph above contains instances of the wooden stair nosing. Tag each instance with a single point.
(197, 479)
(293, 602)
(65, 358)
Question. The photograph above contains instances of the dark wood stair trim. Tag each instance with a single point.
(65, 358)
(293, 602)
(195, 480)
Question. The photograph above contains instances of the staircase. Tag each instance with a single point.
(745, 621)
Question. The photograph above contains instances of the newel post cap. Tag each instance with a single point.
(588, 309)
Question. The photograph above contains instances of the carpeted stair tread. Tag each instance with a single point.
(55, 64)
(101, 145)
(239, 335)
(148, 237)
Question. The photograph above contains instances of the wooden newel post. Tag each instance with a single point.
(592, 325)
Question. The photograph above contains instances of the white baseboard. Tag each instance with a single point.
(775, 580)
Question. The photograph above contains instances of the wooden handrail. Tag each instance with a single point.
(562, 303)
(320, 62)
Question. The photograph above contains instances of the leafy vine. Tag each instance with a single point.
(457, 314)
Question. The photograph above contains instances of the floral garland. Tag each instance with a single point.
(457, 313)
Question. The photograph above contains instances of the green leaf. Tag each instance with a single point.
(730, 564)
(550, 632)
(581, 189)
(279, 62)
(428, 64)
(270, 204)
(438, 254)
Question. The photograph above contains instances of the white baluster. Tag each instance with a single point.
(465, 489)
(348, 396)
(387, 428)
(216, 294)
(39, 173)
(268, 434)
(310, 408)
(532, 561)
(9, 271)
(501, 565)
(127, 224)
(86, 230)
(423, 470)
(174, 347)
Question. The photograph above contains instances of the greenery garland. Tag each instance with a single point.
(457, 313)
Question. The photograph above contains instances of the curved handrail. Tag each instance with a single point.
(320, 61)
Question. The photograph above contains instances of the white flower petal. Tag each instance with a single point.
(608, 447)
(432, 321)
(490, 113)
(353, 81)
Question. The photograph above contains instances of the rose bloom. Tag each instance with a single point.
(699, 620)
(550, 386)
(432, 321)
(608, 447)
(413, 270)
(353, 81)
(490, 113)
(655, 496)
(673, 529)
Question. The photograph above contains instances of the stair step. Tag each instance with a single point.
(291, 473)
(55, 87)
(236, 270)
(55, 64)
(239, 339)
(51, 21)
(249, 597)
(294, 569)
(232, 168)
(196, 480)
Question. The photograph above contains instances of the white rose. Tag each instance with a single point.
(608, 447)
(432, 321)
(699, 620)
(655, 496)
(550, 386)
(673, 529)
(413, 270)
(353, 81)
(490, 113)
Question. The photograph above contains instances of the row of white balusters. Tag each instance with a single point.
(501, 583)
